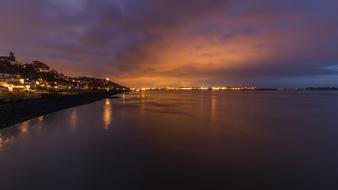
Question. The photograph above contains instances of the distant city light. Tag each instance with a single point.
(203, 88)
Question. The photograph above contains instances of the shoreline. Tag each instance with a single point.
(15, 112)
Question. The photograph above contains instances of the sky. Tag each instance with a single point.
(157, 43)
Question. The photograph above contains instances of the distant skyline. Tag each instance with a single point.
(156, 43)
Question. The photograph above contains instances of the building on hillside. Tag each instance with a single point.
(8, 59)
(11, 81)
(4, 89)
(4, 77)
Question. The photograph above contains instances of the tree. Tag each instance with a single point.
(39, 66)
(50, 76)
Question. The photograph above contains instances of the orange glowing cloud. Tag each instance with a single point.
(177, 43)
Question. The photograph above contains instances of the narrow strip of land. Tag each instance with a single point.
(18, 111)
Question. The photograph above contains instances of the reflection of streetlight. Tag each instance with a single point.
(73, 118)
(107, 114)
(22, 81)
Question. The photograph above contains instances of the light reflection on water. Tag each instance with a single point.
(213, 110)
(189, 138)
(5, 141)
(24, 127)
(73, 119)
(107, 114)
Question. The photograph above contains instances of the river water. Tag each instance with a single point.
(179, 140)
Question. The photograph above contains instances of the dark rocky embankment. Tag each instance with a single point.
(19, 111)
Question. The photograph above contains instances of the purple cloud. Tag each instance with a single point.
(154, 42)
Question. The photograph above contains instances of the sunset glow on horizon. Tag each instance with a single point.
(159, 43)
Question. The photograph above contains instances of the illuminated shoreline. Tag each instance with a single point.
(241, 88)
(226, 88)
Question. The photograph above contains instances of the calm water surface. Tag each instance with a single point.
(179, 140)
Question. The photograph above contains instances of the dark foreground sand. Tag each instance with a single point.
(16, 112)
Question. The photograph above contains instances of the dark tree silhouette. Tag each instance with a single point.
(39, 66)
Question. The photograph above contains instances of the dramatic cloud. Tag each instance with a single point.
(179, 42)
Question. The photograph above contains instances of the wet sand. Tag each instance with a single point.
(19, 111)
